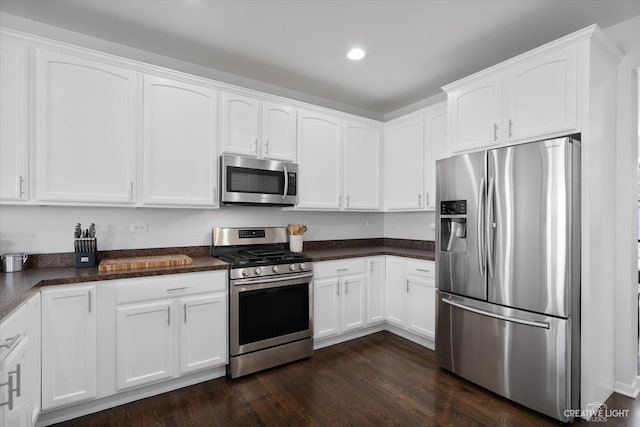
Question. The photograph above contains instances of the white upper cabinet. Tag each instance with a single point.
(437, 148)
(320, 160)
(239, 124)
(541, 94)
(404, 163)
(278, 138)
(262, 129)
(528, 98)
(13, 120)
(179, 143)
(362, 166)
(85, 129)
(475, 113)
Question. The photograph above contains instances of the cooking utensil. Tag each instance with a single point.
(15, 261)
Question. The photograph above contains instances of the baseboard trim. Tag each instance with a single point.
(630, 390)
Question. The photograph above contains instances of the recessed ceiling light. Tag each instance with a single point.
(356, 54)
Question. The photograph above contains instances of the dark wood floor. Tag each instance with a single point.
(380, 379)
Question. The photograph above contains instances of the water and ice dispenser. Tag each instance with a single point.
(453, 226)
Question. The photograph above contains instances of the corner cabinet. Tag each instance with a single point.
(404, 163)
(255, 128)
(179, 135)
(320, 161)
(13, 120)
(362, 166)
(69, 345)
(437, 148)
(376, 290)
(85, 129)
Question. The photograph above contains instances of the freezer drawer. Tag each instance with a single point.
(526, 358)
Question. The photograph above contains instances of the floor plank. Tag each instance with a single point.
(381, 379)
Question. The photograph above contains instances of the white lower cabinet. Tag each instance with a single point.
(339, 297)
(168, 326)
(33, 373)
(376, 290)
(15, 410)
(411, 295)
(69, 350)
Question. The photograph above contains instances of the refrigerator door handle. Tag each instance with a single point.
(482, 254)
(544, 325)
(490, 225)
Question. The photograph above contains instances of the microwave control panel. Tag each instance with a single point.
(292, 189)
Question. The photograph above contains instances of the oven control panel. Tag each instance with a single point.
(270, 270)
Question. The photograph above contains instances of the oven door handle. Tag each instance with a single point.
(260, 281)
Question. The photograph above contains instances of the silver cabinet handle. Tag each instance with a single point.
(338, 290)
(266, 147)
(215, 195)
(21, 180)
(131, 191)
(370, 266)
(255, 146)
(348, 201)
(419, 200)
(424, 270)
(286, 182)
(510, 128)
(168, 315)
(480, 229)
(11, 342)
(341, 270)
(182, 288)
(408, 288)
(89, 301)
(185, 313)
(544, 325)
(495, 131)
(340, 200)
(346, 288)
(427, 197)
(18, 372)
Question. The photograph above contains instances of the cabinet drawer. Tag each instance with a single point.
(421, 268)
(12, 330)
(154, 287)
(338, 268)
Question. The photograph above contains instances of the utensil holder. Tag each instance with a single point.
(295, 243)
(86, 250)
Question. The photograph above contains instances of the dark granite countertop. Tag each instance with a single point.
(56, 269)
(16, 288)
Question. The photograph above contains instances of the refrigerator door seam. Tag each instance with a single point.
(544, 325)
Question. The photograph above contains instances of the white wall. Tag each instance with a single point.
(627, 36)
(47, 229)
(410, 225)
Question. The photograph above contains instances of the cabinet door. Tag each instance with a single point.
(319, 157)
(326, 308)
(179, 143)
(421, 306)
(362, 166)
(239, 124)
(85, 129)
(278, 131)
(376, 290)
(396, 290)
(404, 164)
(14, 371)
(33, 375)
(203, 332)
(353, 302)
(437, 148)
(145, 343)
(542, 95)
(13, 120)
(475, 114)
(69, 349)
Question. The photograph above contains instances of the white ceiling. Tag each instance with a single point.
(413, 47)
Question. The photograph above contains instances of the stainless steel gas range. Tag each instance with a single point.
(271, 298)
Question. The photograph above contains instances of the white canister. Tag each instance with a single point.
(295, 243)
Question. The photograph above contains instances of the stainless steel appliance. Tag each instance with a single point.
(249, 181)
(271, 298)
(508, 272)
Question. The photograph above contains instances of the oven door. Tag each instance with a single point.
(256, 182)
(269, 312)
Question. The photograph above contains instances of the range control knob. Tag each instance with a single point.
(275, 269)
(292, 267)
(303, 266)
(258, 271)
(246, 272)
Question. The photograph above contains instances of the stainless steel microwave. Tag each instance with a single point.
(249, 181)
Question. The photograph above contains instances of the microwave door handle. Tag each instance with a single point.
(286, 182)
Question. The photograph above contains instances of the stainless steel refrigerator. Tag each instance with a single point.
(508, 272)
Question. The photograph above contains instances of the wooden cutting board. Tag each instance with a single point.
(118, 264)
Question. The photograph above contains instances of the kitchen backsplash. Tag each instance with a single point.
(49, 229)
